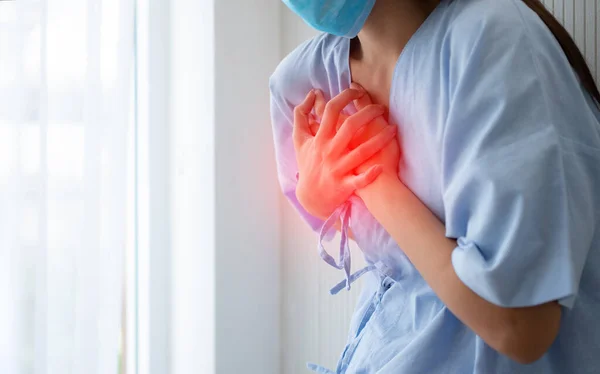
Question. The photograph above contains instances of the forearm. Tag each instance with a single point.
(521, 333)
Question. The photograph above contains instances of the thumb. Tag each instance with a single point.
(364, 100)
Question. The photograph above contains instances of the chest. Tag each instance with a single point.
(417, 100)
(421, 114)
(377, 81)
(416, 95)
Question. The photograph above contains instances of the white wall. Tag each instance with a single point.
(247, 214)
(314, 323)
(225, 227)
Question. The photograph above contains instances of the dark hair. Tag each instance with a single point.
(569, 47)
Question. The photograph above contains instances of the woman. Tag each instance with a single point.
(483, 239)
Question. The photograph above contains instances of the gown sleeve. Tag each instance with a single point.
(516, 189)
(287, 167)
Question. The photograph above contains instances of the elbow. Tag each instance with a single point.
(526, 340)
(524, 355)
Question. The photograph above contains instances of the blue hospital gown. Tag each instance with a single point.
(502, 143)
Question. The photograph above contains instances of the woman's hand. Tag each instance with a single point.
(325, 162)
(388, 157)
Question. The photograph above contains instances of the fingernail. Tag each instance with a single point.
(357, 87)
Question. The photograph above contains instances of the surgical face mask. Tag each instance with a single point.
(339, 17)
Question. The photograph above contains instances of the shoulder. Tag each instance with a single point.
(504, 42)
(495, 16)
(299, 71)
(508, 74)
(497, 25)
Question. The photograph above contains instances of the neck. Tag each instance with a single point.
(389, 27)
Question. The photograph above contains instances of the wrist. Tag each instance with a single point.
(384, 183)
(311, 207)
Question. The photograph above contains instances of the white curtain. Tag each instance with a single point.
(65, 127)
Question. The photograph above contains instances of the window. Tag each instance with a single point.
(62, 139)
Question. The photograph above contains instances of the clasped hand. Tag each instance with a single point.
(340, 154)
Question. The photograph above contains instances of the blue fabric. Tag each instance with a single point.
(501, 142)
(342, 213)
(338, 17)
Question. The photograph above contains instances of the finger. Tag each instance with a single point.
(363, 101)
(332, 111)
(319, 103)
(301, 113)
(351, 125)
(313, 126)
(359, 104)
(366, 150)
(357, 182)
(341, 120)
